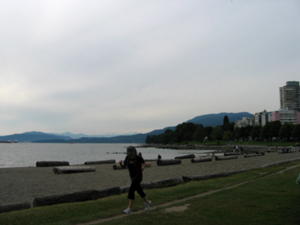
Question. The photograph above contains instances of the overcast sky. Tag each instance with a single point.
(103, 67)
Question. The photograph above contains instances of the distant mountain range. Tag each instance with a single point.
(33, 136)
(40, 137)
(76, 136)
(217, 119)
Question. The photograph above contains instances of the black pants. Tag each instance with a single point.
(136, 186)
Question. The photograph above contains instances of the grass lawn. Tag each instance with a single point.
(263, 200)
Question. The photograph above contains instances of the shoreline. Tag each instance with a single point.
(20, 184)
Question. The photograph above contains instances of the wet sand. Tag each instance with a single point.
(24, 184)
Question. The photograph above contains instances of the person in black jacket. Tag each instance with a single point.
(136, 165)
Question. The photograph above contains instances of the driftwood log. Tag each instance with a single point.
(75, 197)
(75, 169)
(117, 166)
(167, 182)
(167, 162)
(225, 157)
(150, 160)
(204, 159)
(14, 206)
(210, 176)
(51, 163)
(109, 161)
(230, 153)
(191, 156)
(252, 155)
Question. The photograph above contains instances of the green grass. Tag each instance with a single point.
(271, 200)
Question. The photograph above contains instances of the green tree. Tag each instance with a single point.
(245, 132)
(226, 123)
(285, 131)
(199, 134)
(231, 126)
(296, 132)
(265, 131)
(274, 129)
(184, 132)
(227, 136)
(255, 132)
(217, 133)
(208, 131)
(155, 139)
(167, 137)
(236, 133)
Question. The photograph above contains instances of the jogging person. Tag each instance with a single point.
(136, 165)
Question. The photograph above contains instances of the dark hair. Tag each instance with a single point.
(131, 150)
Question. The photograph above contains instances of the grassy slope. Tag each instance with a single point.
(271, 200)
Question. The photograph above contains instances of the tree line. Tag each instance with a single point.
(187, 132)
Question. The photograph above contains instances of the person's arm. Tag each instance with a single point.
(122, 163)
(143, 166)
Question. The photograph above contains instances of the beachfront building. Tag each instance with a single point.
(290, 96)
(261, 118)
(244, 122)
(286, 116)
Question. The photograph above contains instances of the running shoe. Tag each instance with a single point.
(147, 205)
(127, 211)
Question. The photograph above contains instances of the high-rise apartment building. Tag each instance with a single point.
(290, 96)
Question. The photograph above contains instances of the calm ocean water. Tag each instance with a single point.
(27, 154)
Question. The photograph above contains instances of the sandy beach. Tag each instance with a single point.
(24, 184)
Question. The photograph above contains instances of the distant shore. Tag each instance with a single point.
(24, 184)
(221, 148)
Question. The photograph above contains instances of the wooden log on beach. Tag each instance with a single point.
(105, 192)
(190, 156)
(14, 206)
(230, 153)
(167, 162)
(75, 169)
(225, 157)
(64, 198)
(204, 159)
(161, 183)
(75, 197)
(150, 160)
(252, 155)
(117, 166)
(167, 182)
(109, 161)
(51, 163)
(210, 176)
(126, 189)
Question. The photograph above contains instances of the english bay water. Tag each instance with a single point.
(27, 154)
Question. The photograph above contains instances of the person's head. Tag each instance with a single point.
(131, 151)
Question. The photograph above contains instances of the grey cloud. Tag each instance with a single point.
(118, 67)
